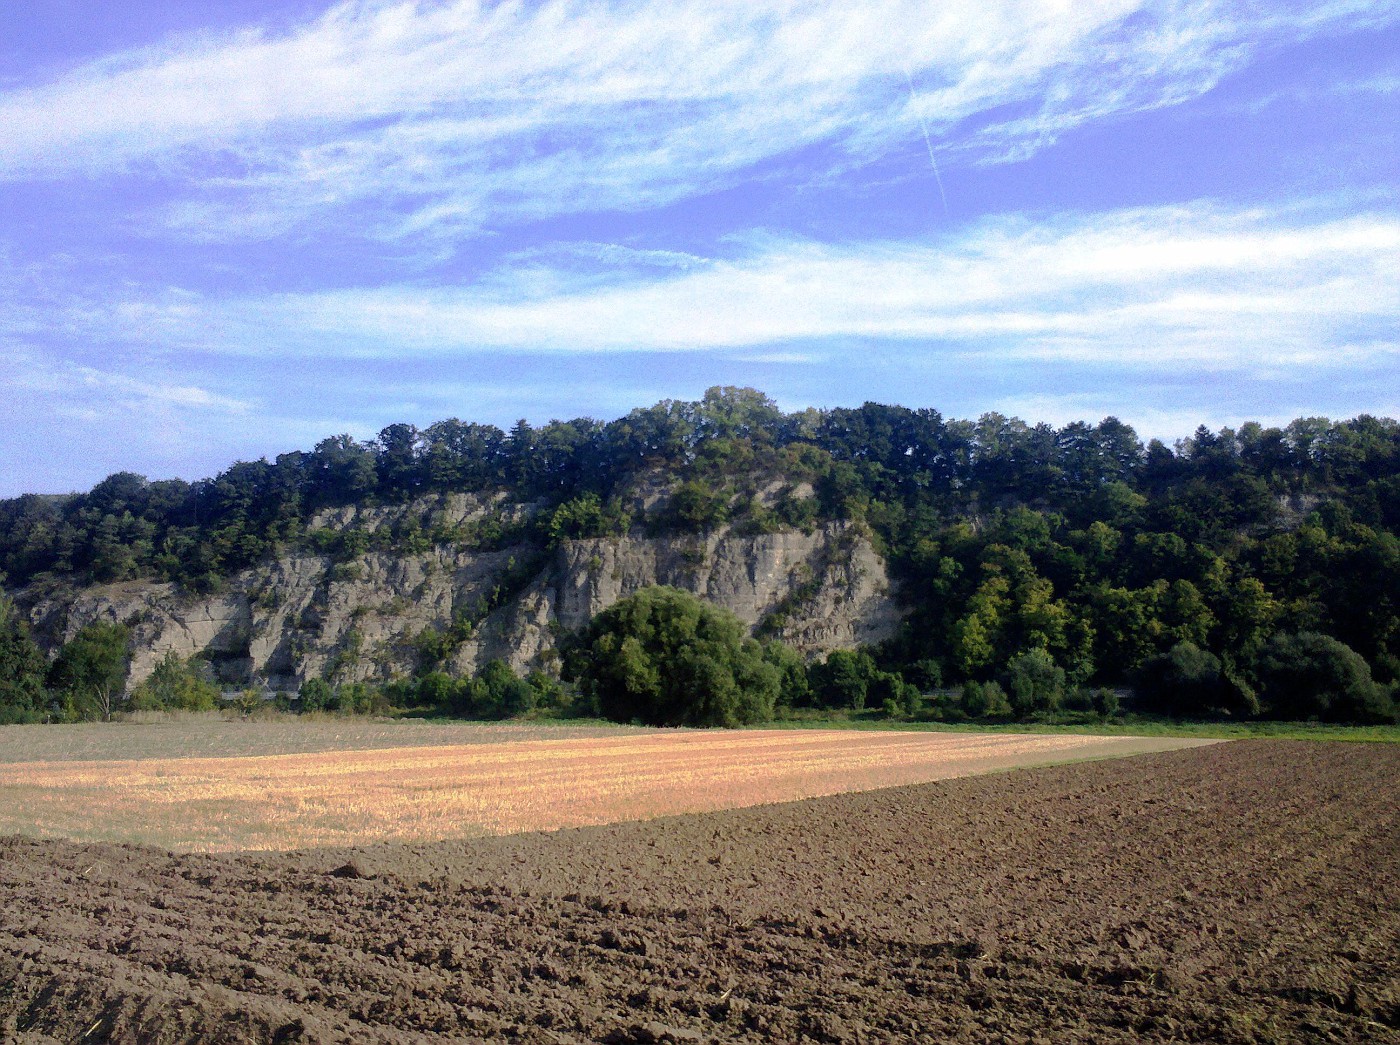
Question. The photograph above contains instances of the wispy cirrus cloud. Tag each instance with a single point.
(1159, 287)
(89, 391)
(443, 118)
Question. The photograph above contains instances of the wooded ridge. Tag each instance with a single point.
(1245, 571)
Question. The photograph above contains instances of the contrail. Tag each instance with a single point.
(927, 143)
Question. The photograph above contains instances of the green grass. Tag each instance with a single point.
(1131, 725)
(1126, 726)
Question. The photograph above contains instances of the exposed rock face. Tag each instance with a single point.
(304, 615)
(833, 579)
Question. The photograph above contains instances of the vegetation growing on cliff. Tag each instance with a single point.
(1039, 565)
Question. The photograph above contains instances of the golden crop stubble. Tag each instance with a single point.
(427, 793)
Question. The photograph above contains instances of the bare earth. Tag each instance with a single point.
(350, 797)
(1242, 893)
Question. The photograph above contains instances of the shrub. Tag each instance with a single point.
(315, 695)
(972, 700)
(794, 687)
(1035, 682)
(1309, 675)
(175, 683)
(22, 667)
(360, 698)
(843, 679)
(90, 670)
(498, 692)
(925, 674)
(984, 700)
(694, 507)
(895, 697)
(550, 693)
(1187, 680)
(438, 690)
(1105, 702)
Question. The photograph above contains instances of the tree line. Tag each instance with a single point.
(1039, 565)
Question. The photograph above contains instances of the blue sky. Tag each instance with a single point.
(229, 229)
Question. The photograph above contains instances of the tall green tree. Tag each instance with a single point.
(90, 670)
(22, 667)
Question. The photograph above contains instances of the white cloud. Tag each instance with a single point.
(782, 358)
(1154, 288)
(446, 117)
(1150, 421)
(84, 391)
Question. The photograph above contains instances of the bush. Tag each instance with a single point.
(1035, 682)
(178, 684)
(1186, 680)
(927, 675)
(22, 667)
(550, 694)
(694, 507)
(663, 657)
(984, 700)
(1105, 702)
(13, 715)
(794, 686)
(316, 695)
(498, 692)
(843, 679)
(90, 671)
(360, 698)
(895, 697)
(1309, 675)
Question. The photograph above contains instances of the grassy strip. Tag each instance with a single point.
(1123, 726)
(1127, 726)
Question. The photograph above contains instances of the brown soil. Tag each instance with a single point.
(1245, 892)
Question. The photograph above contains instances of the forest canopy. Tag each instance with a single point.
(1246, 562)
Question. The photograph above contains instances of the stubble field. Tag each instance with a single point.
(503, 781)
(1242, 893)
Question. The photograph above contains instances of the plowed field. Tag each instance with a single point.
(1243, 892)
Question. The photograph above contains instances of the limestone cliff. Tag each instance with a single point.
(307, 615)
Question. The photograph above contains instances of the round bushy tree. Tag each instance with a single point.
(843, 680)
(1310, 675)
(316, 695)
(499, 692)
(1035, 682)
(1185, 680)
(984, 700)
(663, 657)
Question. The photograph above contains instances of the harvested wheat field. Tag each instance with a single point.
(1242, 893)
(350, 797)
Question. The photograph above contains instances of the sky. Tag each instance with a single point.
(231, 228)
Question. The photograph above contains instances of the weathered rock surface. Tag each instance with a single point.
(305, 615)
